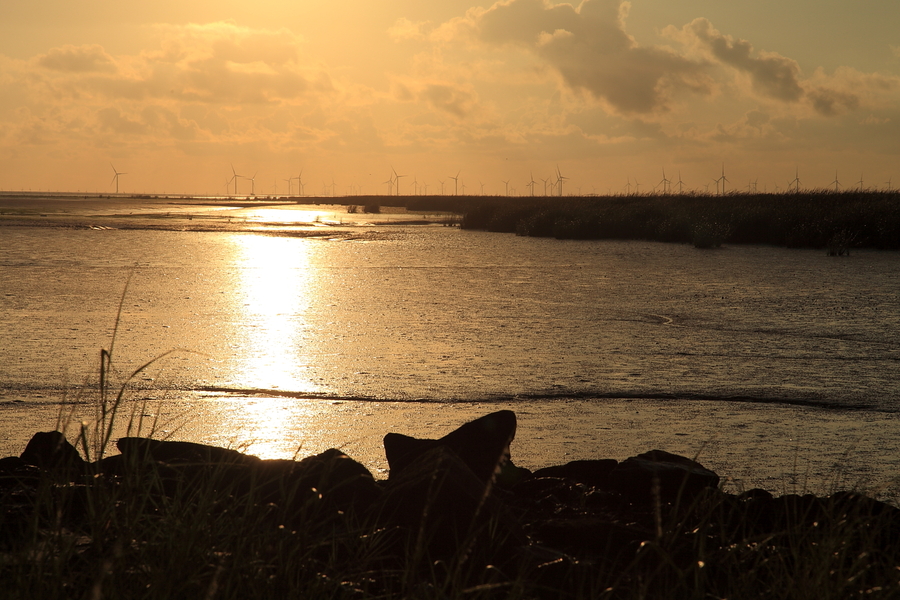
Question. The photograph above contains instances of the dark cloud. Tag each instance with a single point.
(830, 102)
(772, 74)
(449, 99)
(589, 47)
(77, 59)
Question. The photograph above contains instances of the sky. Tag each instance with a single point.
(177, 96)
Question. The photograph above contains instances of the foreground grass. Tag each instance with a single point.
(151, 532)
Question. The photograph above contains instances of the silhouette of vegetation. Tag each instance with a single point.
(836, 221)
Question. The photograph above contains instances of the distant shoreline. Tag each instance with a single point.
(836, 221)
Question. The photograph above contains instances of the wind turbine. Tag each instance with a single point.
(723, 179)
(860, 182)
(390, 184)
(531, 182)
(665, 182)
(116, 177)
(397, 176)
(253, 184)
(680, 184)
(888, 183)
(416, 184)
(235, 177)
(441, 181)
(545, 185)
(455, 183)
(482, 187)
(300, 183)
(289, 180)
(560, 179)
(628, 186)
(836, 183)
(506, 182)
(795, 181)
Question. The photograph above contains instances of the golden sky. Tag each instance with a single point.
(609, 92)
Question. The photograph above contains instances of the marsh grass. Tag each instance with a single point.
(817, 219)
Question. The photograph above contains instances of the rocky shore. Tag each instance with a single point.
(455, 518)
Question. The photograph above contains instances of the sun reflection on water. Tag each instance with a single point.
(277, 286)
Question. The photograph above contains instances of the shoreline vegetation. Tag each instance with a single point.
(835, 221)
(455, 519)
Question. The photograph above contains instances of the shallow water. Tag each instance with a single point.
(776, 367)
(441, 314)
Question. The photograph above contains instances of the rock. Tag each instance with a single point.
(181, 452)
(592, 473)
(482, 444)
(673, 478)
(342, 482)
(51, 451)
(443, 505)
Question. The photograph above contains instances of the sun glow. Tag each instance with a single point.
(277, 287)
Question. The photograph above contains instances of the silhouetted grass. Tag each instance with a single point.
(796, 220)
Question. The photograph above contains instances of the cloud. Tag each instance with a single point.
(589, 48)
(772, 74)
(77, 59)
(456, 100)
(449, 99)
(404, 29)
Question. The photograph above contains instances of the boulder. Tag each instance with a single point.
(592, 473)
(661, 475)
(340, 481)
(181, 452)
(444, 506)
(51, 451)
(482, 445)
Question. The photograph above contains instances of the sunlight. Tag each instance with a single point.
(277, 288)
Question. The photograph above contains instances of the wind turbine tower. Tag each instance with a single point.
(560, 179)
(665, 182)
(235, 178)
(116, 177)
(455, 183)
(397, 177)
(796, 181)
(723, 179)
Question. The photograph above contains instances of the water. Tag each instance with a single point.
(441, 314)
(779, 366)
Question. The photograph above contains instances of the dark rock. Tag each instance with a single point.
(181, 452)
(342, 482)
(50, 450)
(482, 444)
(11, 465)
(594, 473)
(659, 474)
(444, 505)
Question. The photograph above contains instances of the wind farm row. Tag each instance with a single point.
(556, 184)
